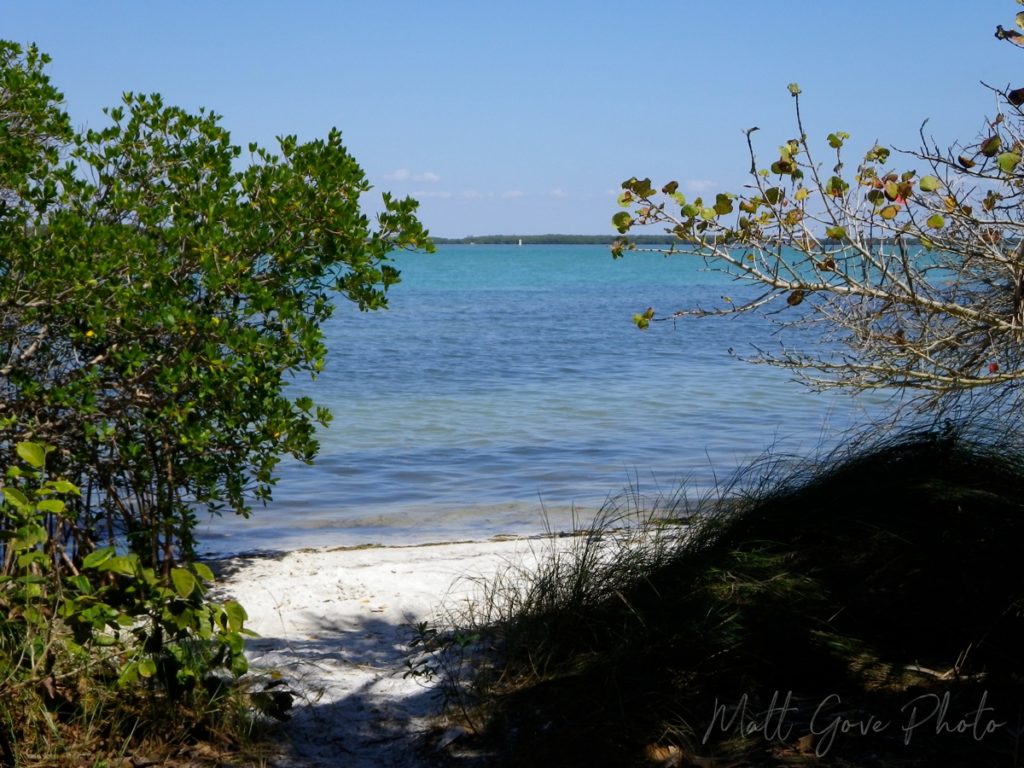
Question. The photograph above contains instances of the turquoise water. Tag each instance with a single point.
(504, 381)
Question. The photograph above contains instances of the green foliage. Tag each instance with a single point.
(160, 289)
(111, 622)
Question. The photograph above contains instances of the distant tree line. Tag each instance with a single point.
(658, 240)
(549, 240)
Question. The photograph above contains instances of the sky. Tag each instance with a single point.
(525, 117)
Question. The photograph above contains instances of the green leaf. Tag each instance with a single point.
(120, 564)
(32, 454)
(63, 486)
(16, 498)
(639, 187)
(30, 535)
(51, 506)
(236, 615)
(990, 146)
(835, 186)
(183, 580)
(622, 221)
(147, 667)
(783, 167)
(835, 140)
(32, 558)
(1008, 161)
(239, 665)
(877, 154)
(930, 184)
(98, 558)
(203, 571)
(81, 583)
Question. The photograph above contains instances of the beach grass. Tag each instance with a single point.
(864, 608)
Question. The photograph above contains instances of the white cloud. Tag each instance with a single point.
(404, 174)
(699, 185)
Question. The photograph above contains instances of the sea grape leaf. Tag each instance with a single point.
(990, 146)
(1008, 161)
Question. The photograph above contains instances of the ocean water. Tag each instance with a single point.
(506, 389)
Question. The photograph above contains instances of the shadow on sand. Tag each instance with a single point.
(354, 706)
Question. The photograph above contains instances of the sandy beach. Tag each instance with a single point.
(336, 623)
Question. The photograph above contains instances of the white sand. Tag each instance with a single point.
(337, 622)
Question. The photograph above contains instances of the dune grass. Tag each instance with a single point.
(811, 613)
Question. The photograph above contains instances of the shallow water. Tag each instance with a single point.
(505, 382)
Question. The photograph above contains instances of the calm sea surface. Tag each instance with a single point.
(504, 381)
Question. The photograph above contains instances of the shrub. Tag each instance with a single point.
(156, 298)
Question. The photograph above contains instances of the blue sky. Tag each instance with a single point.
(524, 117)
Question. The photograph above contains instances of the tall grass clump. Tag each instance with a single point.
(812, 611)
(548, 602)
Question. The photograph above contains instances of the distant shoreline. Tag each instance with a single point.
(550, 240)
(663, 240)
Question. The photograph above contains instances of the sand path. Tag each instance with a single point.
(337, 624)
